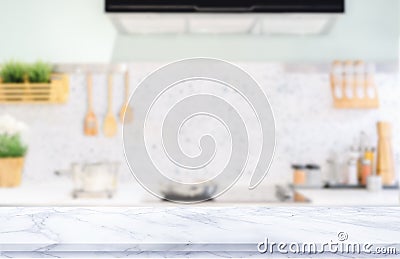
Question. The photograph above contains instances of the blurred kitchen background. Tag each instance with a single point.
(328, 152)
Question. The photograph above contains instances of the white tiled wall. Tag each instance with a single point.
(308, 127)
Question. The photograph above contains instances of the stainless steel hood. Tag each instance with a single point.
(224, 16)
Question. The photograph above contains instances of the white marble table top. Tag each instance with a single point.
(187, 230)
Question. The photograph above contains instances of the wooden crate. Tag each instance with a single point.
(57, 91)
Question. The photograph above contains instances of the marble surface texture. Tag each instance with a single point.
(183, 231)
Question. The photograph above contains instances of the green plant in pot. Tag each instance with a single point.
(18, 72)
(12, 151)
(39, 72)
(13, 72)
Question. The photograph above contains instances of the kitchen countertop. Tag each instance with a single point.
(352, 197)
(58, 193)
(189, 230)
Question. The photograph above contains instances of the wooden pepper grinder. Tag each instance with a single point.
(385, 163)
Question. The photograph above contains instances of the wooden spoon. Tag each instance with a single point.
(110, 122)
(126, 110)
(91, 125)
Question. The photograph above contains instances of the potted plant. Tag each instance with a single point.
(12, 151)
(39, 72)
(13, 72)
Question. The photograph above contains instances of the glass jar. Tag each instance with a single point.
(299, 174)
(313, 175)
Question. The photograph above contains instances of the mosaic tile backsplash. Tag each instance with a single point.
(308, 128)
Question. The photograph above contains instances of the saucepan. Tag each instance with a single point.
(93, 179)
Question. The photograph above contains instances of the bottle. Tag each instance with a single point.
(335, 175)
(349, 79)
(352, 177)
(369, 154)
(359, 69)
(365, 171)
(369, 81)
(337, 79)
(362, 148)
(353, 168)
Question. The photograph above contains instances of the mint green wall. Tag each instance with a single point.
(55, 30)
(78, 31)
(369, 30)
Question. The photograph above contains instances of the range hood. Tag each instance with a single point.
(224, 16)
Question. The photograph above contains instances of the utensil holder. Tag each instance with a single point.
(353, 85)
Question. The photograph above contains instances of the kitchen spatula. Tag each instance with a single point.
(126, 110)
(91, 125)
(110, 122)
